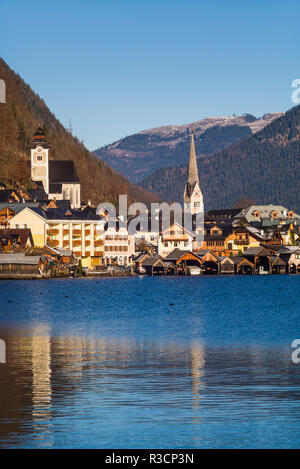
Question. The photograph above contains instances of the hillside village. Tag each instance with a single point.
(48, 231)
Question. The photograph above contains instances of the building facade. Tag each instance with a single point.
(58, 178)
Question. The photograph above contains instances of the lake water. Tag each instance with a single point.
(188, 362)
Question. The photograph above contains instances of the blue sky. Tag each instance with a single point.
(119, 66)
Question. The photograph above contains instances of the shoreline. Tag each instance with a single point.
(97, 277)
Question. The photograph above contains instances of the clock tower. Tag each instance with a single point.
(39, 159)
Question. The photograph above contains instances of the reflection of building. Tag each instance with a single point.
(41, 380)
(197, 372)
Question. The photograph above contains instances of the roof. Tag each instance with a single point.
(18, 195)
(18, 206)
(55, 188)
(39, 138)
(252, 231)
(61, 214)
(224, 225)
(19, 258)
(226, 213)
(60, 204)
(141, 256)
(62, 171)
(61, 251)
(152, 260)
(37, 194)
(238, 259)
(193, 168)
(277, 260)
(265, 212)
(175, 254)
(225, 258)
(255, 251)
(16, 236)
(202, 252)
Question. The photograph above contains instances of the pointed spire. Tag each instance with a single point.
(193, 169)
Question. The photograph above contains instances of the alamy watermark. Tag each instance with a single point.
(2, 91)
(296, 93)
(296, 353)
(159, 218)
(2, 351)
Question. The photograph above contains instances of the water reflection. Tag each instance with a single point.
(197, 372)
(89, 391)
(41, 384)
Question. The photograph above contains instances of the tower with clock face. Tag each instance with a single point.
(58, 178)
(39, 159)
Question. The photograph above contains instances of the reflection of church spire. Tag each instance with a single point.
(197, 372)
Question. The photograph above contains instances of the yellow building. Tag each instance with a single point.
(243, 238)
(79, 231)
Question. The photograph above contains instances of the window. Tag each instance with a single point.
(25, 226)
(186, 244)
(196, 204)
(39, 157)
(166, 244)
(176, 244)
(17, 226)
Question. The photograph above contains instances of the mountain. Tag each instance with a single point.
(19, 117)
(264, 166)
(139, 155)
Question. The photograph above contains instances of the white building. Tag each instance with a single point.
(58, 178)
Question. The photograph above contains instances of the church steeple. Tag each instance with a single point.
(193, 198)
(193, 169)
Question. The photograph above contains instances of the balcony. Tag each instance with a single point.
(77, 253)
(98, 253)
(98, 242)
(52, 242)
(241, 242)
(175, 238)
(52, 231)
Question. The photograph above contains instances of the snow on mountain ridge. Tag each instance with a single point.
(200, 126)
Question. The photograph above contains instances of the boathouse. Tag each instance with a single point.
(21, 266)
(243, 266)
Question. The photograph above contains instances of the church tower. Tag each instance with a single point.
(39, 159)
(193, 198)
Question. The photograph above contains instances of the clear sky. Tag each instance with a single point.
(119, 66)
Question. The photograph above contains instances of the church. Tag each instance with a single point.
(58, 178)
(193, 197)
